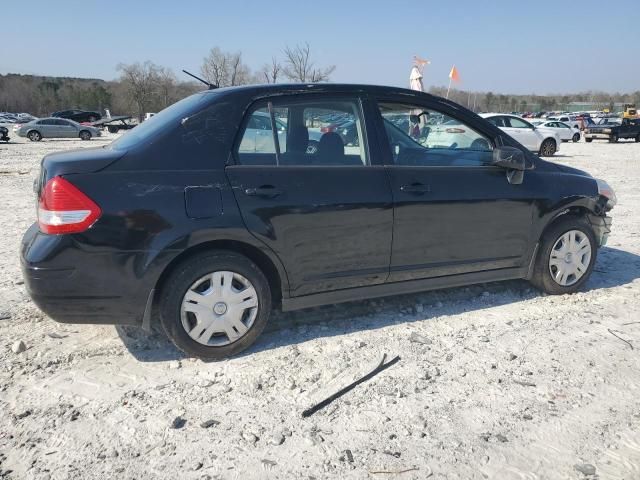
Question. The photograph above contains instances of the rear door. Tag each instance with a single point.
(454, 212)
(328, 215)
(48, 127)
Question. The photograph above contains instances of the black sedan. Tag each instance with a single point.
(200, 217)
(78, 115)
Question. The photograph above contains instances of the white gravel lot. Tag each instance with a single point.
(495, 381)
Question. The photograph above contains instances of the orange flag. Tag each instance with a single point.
(453, 74)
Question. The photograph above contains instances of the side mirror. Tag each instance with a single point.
(512, 159)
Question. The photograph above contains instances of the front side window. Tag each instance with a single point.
(313, 132)
(423, 137)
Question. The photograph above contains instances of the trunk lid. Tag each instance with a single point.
(86, 160)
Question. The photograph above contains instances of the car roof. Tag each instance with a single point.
(293, 88)
(488, 115)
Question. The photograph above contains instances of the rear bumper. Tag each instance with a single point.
(72, 285)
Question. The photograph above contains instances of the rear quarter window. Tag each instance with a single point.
(194, 134)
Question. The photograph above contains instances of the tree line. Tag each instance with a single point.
(147, 87)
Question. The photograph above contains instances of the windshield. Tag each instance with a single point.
(165, 119)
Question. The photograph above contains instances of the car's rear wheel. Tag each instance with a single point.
(548, 148)
(576, 137)
(566, 256)
(215, 305)
(85, 135)
(613, 138)
(34, 136)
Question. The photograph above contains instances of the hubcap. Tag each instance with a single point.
(570, 258)
(219, 308)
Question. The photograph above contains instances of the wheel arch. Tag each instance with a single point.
(582, 208)
(275, 276)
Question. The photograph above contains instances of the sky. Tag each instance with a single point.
(505, 46)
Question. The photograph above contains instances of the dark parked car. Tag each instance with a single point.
(78, 115)
(178, 217)
(4, 134)
(613, 129)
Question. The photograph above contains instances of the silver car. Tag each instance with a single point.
(55, 128)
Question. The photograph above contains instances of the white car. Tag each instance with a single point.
(571, 120)
(565, 131)
(545, 141)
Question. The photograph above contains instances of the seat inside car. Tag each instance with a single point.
(331, 151)
(297, 143)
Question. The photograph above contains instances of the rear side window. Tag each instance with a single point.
(517, 123)
(311, 132)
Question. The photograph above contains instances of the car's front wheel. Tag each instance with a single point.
(613, 138)
(215, 305)
(566, 256)
(85, 135)
(34, 136)
(576, 137)
(548, 148)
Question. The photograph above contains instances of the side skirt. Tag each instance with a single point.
(399, 288)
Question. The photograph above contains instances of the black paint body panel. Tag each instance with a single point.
(334, 233)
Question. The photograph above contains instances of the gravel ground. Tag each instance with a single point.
(495, 381)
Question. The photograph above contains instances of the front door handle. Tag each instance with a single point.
(416, 188)
(263, 191)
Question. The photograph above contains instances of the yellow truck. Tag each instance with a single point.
(630, 111)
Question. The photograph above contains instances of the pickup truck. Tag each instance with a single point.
(614, 130)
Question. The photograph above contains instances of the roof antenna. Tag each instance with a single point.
(210, 85)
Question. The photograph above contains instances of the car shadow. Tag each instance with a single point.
(614, 267)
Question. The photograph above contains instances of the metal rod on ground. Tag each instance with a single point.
(381, 366)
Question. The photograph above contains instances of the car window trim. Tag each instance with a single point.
(358, 98)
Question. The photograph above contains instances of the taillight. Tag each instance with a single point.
(63, 208)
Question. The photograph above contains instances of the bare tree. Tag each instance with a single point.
(270, 72)
(140, 81)
(299, 66)
(225, 69)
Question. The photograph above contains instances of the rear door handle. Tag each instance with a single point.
(416, 188)
(264, 191)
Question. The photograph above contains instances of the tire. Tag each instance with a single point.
(588, 140)
(613, 138)
(576, 137)
(638, 138)
(34, 136)
(578, 264)
(112, 129)
(85, 135)
(548, 148)
(192, 281)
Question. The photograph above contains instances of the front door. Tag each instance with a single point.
(328, 215)
(454, 212)
(65, 129)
